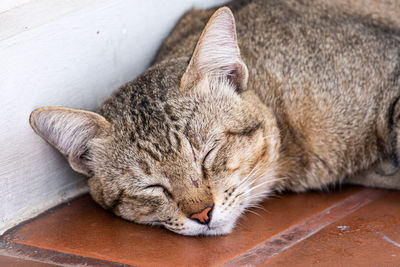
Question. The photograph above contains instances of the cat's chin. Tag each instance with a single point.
(192, 228)
(203, 230)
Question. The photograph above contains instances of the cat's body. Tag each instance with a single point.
(200, 137)
(330, 78)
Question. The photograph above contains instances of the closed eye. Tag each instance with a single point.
(203, 164)
(159, 186)
(209, 152)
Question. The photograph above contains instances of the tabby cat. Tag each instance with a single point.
(295, 95)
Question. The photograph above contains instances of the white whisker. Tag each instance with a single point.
(249, 175)
(252, 211)
(261, 184)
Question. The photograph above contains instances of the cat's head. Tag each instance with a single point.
(189, 150)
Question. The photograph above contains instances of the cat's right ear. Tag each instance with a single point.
(217, 53)
(71, 131)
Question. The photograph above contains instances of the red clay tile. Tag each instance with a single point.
(311, 225)
(15, 262)
(368, 237)
(84, 229)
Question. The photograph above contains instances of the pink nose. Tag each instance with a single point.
(203, 216)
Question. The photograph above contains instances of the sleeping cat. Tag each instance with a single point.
(296, 96)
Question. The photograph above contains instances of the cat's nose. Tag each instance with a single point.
(203, 216)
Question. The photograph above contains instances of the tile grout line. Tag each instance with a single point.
(306, 228)
(49, 256)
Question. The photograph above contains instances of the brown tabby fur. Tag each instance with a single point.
(319, 106)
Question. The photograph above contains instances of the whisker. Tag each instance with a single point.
(258, 206)
(249, 181)
(260, 185)
(253, 212)
(252, 200)
(258, 197)
(249, 175)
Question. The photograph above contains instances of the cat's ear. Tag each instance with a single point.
(71, 132)
(217, 53)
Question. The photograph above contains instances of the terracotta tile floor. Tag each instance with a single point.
(350, 227)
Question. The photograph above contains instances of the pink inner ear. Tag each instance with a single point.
(217, 53)
(217, 49)
(67, 130)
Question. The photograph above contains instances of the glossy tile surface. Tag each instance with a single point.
(368, 237)
(84, 229)
(306, 228)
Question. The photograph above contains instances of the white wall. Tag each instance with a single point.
(71, 53)
(9, 4)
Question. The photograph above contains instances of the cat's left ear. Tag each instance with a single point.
(217, 53)
(73, 132)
